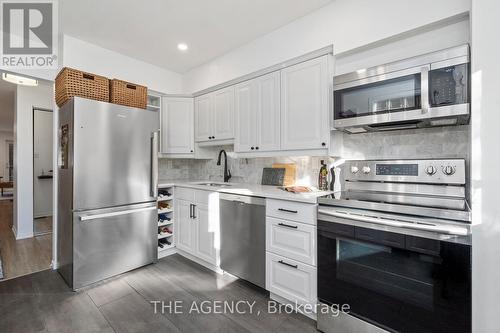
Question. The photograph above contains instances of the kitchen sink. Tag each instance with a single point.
(214, 184)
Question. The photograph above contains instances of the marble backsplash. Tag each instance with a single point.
(439, 142)
(243, 170)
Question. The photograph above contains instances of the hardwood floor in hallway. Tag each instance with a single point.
(25, 256)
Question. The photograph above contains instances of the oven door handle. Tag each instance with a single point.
(449, 230)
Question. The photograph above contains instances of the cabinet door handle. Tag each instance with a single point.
(288, 226)
(287, 264)
(194, 211)
(323, 144)
(287, 210)
(190, 211)
(257, 148)
(252, 148)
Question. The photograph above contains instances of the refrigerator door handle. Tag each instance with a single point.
(111, 214)
(154, 163)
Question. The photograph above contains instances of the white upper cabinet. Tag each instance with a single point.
(203, 118)
(304, 105)
(257, 108)
(268, 112)
(214, 115)
(223, 114)
(177, 125)
(246, 116)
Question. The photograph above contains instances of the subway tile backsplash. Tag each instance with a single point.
(439, 142)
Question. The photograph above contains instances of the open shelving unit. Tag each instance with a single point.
(165, 206)
(154, 103)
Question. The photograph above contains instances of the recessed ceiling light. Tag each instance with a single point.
(182, 46)
(21, 80)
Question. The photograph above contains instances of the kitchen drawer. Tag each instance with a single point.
(184, 193)
(291, 239)
(291, 210)
(291, 279)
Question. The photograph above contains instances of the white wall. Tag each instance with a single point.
(485, 25)
(4, 137)
(92, 58)
(347, 24)
(26, 98)
(42, 162)
(436, 37)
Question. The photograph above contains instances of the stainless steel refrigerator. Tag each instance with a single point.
(107, 189)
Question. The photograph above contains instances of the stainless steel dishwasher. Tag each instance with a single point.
(243, 237)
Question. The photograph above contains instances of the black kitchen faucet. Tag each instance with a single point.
(227, 173)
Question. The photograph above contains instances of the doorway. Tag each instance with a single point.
(42, 171)
(24, 248)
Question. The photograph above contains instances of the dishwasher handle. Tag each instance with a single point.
(243, 199)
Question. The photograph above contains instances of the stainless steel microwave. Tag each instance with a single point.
(423, 91)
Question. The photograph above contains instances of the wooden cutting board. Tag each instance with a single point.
(290, 172)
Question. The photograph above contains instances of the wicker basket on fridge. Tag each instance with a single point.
(72, 82)
(129, 94)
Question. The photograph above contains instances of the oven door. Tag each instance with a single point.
(400, 96)
(398, 282)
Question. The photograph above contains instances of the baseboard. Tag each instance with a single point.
(282, 300)
(201, 262)
(18, 237)
(166, 253)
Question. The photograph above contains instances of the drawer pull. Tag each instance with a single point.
(288, 226)
(287, 264)
(287, 210)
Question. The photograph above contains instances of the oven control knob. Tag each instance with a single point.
(354, 169)
(366, 170)
(449, 170)
(430, 170)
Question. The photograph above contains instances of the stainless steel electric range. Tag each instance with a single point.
(395, 245)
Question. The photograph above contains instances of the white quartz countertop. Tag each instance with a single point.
(256, 190)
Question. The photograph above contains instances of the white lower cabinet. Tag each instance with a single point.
(207, 230)
(291, 251)
(291, 239)
(196, 213)
(291, 279)
(185, 228)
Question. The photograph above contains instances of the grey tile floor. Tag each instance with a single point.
(42, 302)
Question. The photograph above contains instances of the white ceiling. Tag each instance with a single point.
(150, 30)
(7, 95)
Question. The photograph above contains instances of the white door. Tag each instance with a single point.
(205, 235)
(223, 113)
(203, 118)
(177, 126)
(304, 105)
(185, 226)
(246, 116)
(268, 115)
(42, 163)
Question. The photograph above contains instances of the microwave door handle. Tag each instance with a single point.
(424, 90)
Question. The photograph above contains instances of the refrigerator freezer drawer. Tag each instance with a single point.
(112, 241)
